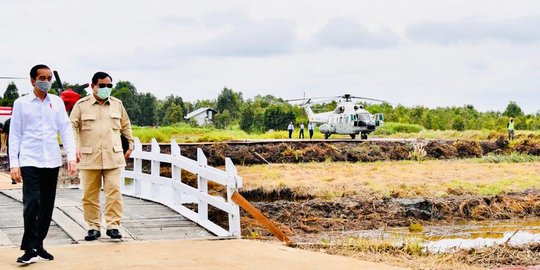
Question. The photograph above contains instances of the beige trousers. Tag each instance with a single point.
(91, 181)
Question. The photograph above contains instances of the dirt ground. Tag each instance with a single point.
(222, 254)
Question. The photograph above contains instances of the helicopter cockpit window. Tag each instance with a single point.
(340, 110)
(364, 117)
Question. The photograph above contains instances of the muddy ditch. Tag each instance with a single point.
(370, 211)
(331, 226)
(352, 151)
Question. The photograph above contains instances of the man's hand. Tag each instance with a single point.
(72, 168)
(16, 174)
(4, 148)
(128, 154)
(78, 155)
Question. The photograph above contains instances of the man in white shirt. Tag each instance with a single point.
(301, 134)
(290, 128)
(311, 128)
(35, 158)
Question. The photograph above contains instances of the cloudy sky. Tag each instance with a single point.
(414, 52)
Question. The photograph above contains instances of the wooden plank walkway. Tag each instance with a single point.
(143, 220)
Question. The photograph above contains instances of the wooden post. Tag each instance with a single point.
(202, 185)
(242, 202)
(176, 174)
(233, 184)
(155, 167)
(137, 168)
(175, 152)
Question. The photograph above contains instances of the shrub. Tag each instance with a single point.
(393, 128)
(418, 153)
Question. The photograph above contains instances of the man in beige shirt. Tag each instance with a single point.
(98, 120)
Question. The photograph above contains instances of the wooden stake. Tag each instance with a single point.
(242, 202)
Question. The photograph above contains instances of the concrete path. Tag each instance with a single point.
(187, 254)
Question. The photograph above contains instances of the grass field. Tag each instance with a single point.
(398, 179)
(186, 133)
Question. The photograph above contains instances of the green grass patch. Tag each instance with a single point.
(185, 133)
(394, 128)
(496, 187)
(513, 157)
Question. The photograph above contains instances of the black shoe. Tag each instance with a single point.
(114, 234)
(44, 255)
(92, 235)
(30, 256)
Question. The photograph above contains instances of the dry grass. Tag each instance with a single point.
(399, 179)
(390, 251)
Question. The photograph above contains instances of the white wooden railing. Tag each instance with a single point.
(173, 193)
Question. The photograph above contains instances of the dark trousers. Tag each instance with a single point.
(301, 135)
(290, 133)
(39, 192)
(311, 133)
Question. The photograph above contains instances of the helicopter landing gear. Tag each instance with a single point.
(353, 136)
(326, 135)
(363, 136)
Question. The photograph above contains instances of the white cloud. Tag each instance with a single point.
(252, 39)
(345, 33)
(475, 30)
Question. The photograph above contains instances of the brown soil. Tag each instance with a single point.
(503, 256)
(372, 212)
(244, 153)
(305, 221)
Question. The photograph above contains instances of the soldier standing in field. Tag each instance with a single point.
(98, 121)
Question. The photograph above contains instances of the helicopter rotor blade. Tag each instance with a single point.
(331, 98)
(78, 89)
(298, 99)
(308, 102)
(58, 81)
(372, 99)
(12, 78)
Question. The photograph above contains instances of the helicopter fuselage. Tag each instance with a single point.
(347, 118)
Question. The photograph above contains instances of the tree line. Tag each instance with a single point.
(263, 113)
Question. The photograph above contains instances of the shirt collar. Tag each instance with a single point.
(34, 97)
(94, 100)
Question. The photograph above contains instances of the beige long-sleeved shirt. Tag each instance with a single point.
(97, 128)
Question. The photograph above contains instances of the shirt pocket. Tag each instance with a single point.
(118, 154)
(88, 121)
(115, 120)
(86, 152)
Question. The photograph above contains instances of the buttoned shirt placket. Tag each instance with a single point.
(102, 110)
(43, 109)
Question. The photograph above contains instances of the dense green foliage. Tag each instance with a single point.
(10, 95)
(263, 113)
(456, 118)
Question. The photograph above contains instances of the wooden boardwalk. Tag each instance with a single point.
(143, 220)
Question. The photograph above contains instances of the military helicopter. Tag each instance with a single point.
(347, 118)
